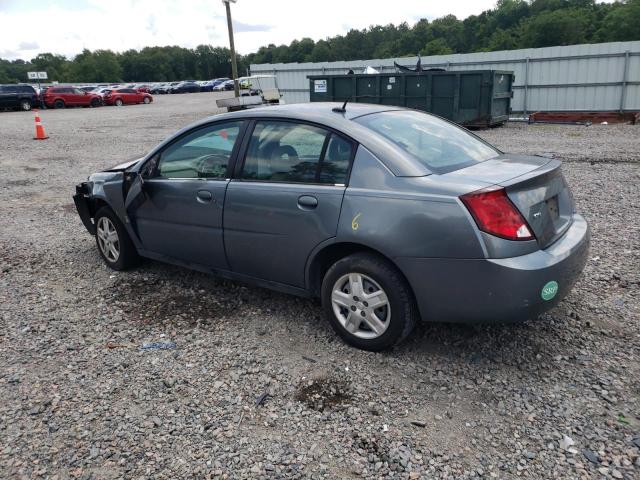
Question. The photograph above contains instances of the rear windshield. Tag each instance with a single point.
(441, 146)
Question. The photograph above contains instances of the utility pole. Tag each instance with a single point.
(234, 66)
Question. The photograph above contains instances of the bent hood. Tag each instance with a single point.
(123, 166)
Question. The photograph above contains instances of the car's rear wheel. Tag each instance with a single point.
(118, 102)
(147, 100)
(58, 104)
(368, 302)
(115, 247)
(25, 105)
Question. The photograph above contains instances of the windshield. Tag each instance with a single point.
(441, 146)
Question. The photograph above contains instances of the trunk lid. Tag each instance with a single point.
(536, 187)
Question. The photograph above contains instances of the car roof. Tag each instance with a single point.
(320, 111)
(400, 162)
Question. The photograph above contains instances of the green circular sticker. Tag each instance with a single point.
(549, 290)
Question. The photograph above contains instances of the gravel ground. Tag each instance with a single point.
(258, 385)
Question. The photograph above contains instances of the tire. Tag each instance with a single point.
(118, 102)
(395, 319)
(124, 254)
(25, 105)
(58, 104)
(95, 103)
(146, 100)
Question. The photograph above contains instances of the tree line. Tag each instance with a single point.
(512, 24)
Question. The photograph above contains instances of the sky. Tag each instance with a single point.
(29, 27)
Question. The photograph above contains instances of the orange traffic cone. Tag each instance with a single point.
(40, 134)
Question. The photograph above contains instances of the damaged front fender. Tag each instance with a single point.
(82, 200)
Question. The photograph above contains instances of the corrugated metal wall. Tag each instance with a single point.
(602, 76)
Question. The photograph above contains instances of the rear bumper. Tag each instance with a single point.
(497, 290)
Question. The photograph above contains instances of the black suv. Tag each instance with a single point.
(18, 96)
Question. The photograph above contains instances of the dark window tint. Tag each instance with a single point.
(439, 145)
(204, 153)
(11, 89)
(291, 152)
(335, 164)
(285, 152)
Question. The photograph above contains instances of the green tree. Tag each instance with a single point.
(558, 27)
(56, 66)
(436, 47)
(622, 23)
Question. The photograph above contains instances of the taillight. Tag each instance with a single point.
(495, 214)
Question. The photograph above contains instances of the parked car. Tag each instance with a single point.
(61, 97)
(221, 87)
(185, 87)
(160, 88)
(211, 84)
(19, 96)
(126, 96)
(386, 214)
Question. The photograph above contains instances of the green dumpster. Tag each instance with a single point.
(473, 98)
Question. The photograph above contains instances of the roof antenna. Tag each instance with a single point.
(341, 109)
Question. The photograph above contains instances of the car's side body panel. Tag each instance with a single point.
(269, 233)
(400, 217)
(172, 220)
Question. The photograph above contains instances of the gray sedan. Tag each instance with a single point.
(387, 215)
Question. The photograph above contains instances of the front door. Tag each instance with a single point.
(178, 214)
(286, 199)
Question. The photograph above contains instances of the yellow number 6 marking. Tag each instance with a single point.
(354, 222)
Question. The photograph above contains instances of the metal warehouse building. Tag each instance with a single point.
(597, 77)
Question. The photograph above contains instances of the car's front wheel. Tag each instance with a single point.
(147, 100)
(114, 244)
(58, 104)
(368, 302)
(118, 102)
(25, 105)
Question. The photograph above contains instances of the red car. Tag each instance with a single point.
(123, 96)
(60, 97)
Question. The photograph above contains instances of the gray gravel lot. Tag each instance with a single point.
(558, 397)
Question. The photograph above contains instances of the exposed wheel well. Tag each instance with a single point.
(97, 204)
(331, 254)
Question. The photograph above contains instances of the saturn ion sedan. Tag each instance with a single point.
(388, 215)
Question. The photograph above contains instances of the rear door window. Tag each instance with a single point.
(284, 151)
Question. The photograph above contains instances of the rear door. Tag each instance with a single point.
(285, 200)
(178, 215)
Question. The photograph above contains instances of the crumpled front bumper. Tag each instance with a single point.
(82, 201)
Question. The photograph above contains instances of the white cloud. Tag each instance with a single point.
(67, 26)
